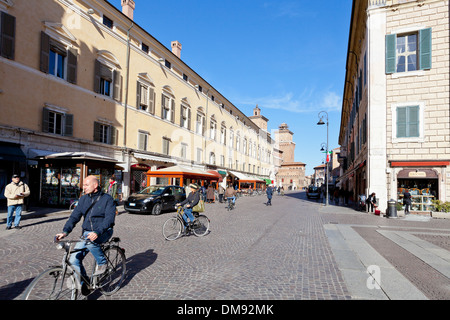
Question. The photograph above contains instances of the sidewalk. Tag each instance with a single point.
(36, 212)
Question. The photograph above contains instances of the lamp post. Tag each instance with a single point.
(323, 114)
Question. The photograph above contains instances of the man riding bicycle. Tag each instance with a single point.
(191, 201)
(99, 213)
(230, 193)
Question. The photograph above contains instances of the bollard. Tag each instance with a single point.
(392, 209)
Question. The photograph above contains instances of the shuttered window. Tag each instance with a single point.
(107, 82)
(105, 133)
(408, 52)
(57, 122)
(57, 60)
(7, 35)
(145, 99)
(408, 122)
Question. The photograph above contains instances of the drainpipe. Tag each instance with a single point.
(126, 87)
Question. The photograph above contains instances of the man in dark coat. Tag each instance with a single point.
(99, 213)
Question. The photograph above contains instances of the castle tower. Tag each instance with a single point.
(258, 119)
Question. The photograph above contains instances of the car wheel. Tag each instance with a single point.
(157, 209)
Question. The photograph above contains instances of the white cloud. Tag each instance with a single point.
(307, 102)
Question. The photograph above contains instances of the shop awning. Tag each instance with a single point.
(245, 178)
(216, 174)
(12, 153)
(79, 155)
(181, 172)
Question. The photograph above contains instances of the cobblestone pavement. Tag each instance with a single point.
(281, 252)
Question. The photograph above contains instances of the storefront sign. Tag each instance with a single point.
(419, 174)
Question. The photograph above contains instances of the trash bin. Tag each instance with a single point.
(392, 209)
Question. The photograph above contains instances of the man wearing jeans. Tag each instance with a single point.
(99, 213)
(15, 192)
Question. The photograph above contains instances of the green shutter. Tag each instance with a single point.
(425, 49)
(413, 121)
(391, 57)
(401, 122)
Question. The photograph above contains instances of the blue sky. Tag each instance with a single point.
(286, 56)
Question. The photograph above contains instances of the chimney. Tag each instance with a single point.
(128, 8)
(176, 48)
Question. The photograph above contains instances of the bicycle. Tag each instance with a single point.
(174, 227)
(231, 204)
(64, 283)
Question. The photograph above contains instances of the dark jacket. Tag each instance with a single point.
(192, 199)
(98, 219)
(407, 198)
(269, 192)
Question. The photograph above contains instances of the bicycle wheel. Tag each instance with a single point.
(52, 284)
(113, 278)
(201, 226)
(172, 229)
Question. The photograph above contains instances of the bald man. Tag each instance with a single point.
(99, 213)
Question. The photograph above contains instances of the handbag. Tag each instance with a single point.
(199, 207)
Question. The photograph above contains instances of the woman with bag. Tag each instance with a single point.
(191, 201)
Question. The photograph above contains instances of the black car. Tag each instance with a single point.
(155, 199)
(313, 192)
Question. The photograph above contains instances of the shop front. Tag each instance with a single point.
(244, 182)
(422, 179)
(62, 175)
(182, 176)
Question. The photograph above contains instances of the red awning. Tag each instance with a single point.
(216, 174)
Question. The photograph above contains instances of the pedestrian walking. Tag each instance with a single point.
(221, 192)
(269, 193)
(111, 189)
(15, 193)
(407, 201)
(210, 194)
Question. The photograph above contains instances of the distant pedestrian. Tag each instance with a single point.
(210, 194)
(221, 192)
(269, 193)
(371, 202)
(111, 189)
(407, 201)
(15, 192)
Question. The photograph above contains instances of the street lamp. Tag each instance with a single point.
(322, 115)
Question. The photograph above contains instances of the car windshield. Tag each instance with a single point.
(313, 189)
(154, 190)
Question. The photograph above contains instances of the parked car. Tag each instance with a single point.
(313, 192)
(155, 199)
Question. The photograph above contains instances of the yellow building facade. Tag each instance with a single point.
(85, 90)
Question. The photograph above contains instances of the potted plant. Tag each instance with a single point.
(441, 209)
